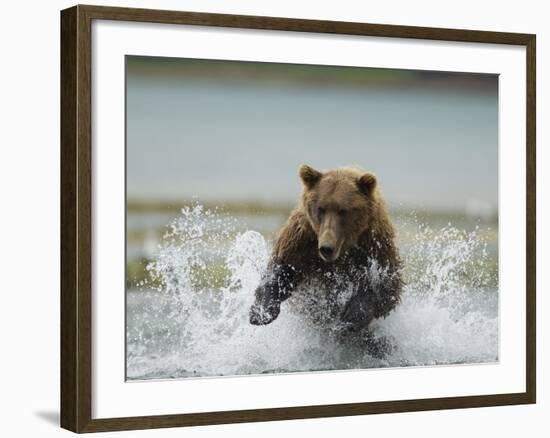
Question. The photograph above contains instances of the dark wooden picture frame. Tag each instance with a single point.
(76, 218)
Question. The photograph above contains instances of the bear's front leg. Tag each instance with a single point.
(276, 286)
(358, 312)
(372, 301)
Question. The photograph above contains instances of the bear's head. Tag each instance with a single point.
(341, 206)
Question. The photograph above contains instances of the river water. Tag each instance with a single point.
(190, 319)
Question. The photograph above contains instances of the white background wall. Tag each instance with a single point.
(29, 227)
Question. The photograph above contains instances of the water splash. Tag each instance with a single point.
(191, 318)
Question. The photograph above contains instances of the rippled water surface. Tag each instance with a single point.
(190, 317)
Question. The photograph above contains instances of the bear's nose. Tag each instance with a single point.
(326, 251)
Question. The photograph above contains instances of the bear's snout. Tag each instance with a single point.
(330, 236)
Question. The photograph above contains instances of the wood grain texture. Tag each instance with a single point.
(300, 25)
(76, 218)
(69, 331)
(76, 250)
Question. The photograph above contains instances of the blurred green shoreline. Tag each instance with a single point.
(177, 70)
(262, 208)
(168, 206)
(407, 222)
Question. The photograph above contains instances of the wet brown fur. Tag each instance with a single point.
(360, 217)
(296, 243)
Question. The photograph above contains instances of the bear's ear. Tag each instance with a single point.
(366, 183)
(309, 175)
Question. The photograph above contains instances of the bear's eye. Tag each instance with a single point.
(342, 212)
(321, 211)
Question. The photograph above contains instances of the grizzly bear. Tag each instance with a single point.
(341, 236)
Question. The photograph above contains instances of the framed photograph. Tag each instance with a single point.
(271, 218)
